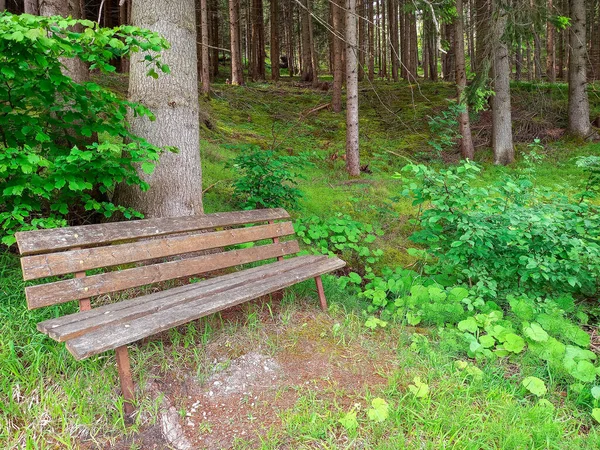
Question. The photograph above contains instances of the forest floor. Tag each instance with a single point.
(278, 373)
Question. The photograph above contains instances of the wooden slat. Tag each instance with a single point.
(113, 336)
(44, 241)
(76, 288)
(40, 266)
(68, 327)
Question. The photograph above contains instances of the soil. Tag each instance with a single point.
(246, 396)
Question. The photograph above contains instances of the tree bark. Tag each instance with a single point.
(450, 56)
(550, 55)
(275, 40)
(352, 149)
(482, 24)
(579, 108)
(205, 49)
(371, 46)
(502, 142)
(466, 142)
(313, 53)
(307, 68)
(361, 39)
(2, 5)
(74, 67)
(237, 74)
(176, 184)
(393, 29)
(258, 41)
(338, 49)
(29, 7)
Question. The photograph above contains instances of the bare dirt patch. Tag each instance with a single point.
(246, 396)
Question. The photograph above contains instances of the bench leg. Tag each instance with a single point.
(125, 377)
(321, 292)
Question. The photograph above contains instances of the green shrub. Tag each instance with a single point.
(266, 179)
(344, 237)
(51, 171)
(509, 237)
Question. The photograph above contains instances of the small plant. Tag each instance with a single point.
(267, 179)
(444, 128)
(342, 236)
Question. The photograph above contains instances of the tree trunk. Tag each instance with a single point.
(383, 73)
(550, 55)
(537, 54)
(352, 150)
(371, 40)
(595, 42)
(29, 7)
(74, 67)
(258, 41)
(275, 40)
(502, 142)
(466, 142)
(2, 5)
(338, 49)
(393, 29)
(313, 52)
(450, 57)
(237, 74)
(176, 184)
(361, 39)
(307, 68)
(213, 36)
(518, 60)
(205, 49)
(579, 108)
(482, 24)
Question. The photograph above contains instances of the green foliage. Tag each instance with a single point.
(344, 237)
(379, 411)
(536, 386)
(444, 128)
(51, 171)
(507, 237)
(267, 179)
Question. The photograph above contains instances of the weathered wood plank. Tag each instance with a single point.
(77, 288)
(43, 241)
(52, 264)
(68, 327)
(114, 336)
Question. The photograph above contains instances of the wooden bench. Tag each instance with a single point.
(169, 248)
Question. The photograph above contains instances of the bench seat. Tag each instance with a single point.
(88, 333)
(90, 261)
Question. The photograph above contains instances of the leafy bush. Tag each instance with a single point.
(267, 179)
(444, 128)
(510, 237)
(51, 171)
(344, 237)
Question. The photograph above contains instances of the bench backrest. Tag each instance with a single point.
(75, 250)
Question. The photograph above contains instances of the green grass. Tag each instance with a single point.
(49, 400)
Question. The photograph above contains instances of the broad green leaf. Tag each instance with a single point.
(534, 385)
(419, 389)
(596, 414)
(535, 332)
(349, 421)
(469, 324)
(380, 410)
(514, 343)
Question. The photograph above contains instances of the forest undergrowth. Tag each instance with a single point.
(493, 347)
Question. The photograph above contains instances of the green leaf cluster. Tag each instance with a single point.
(65, 145)
(267, 179)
